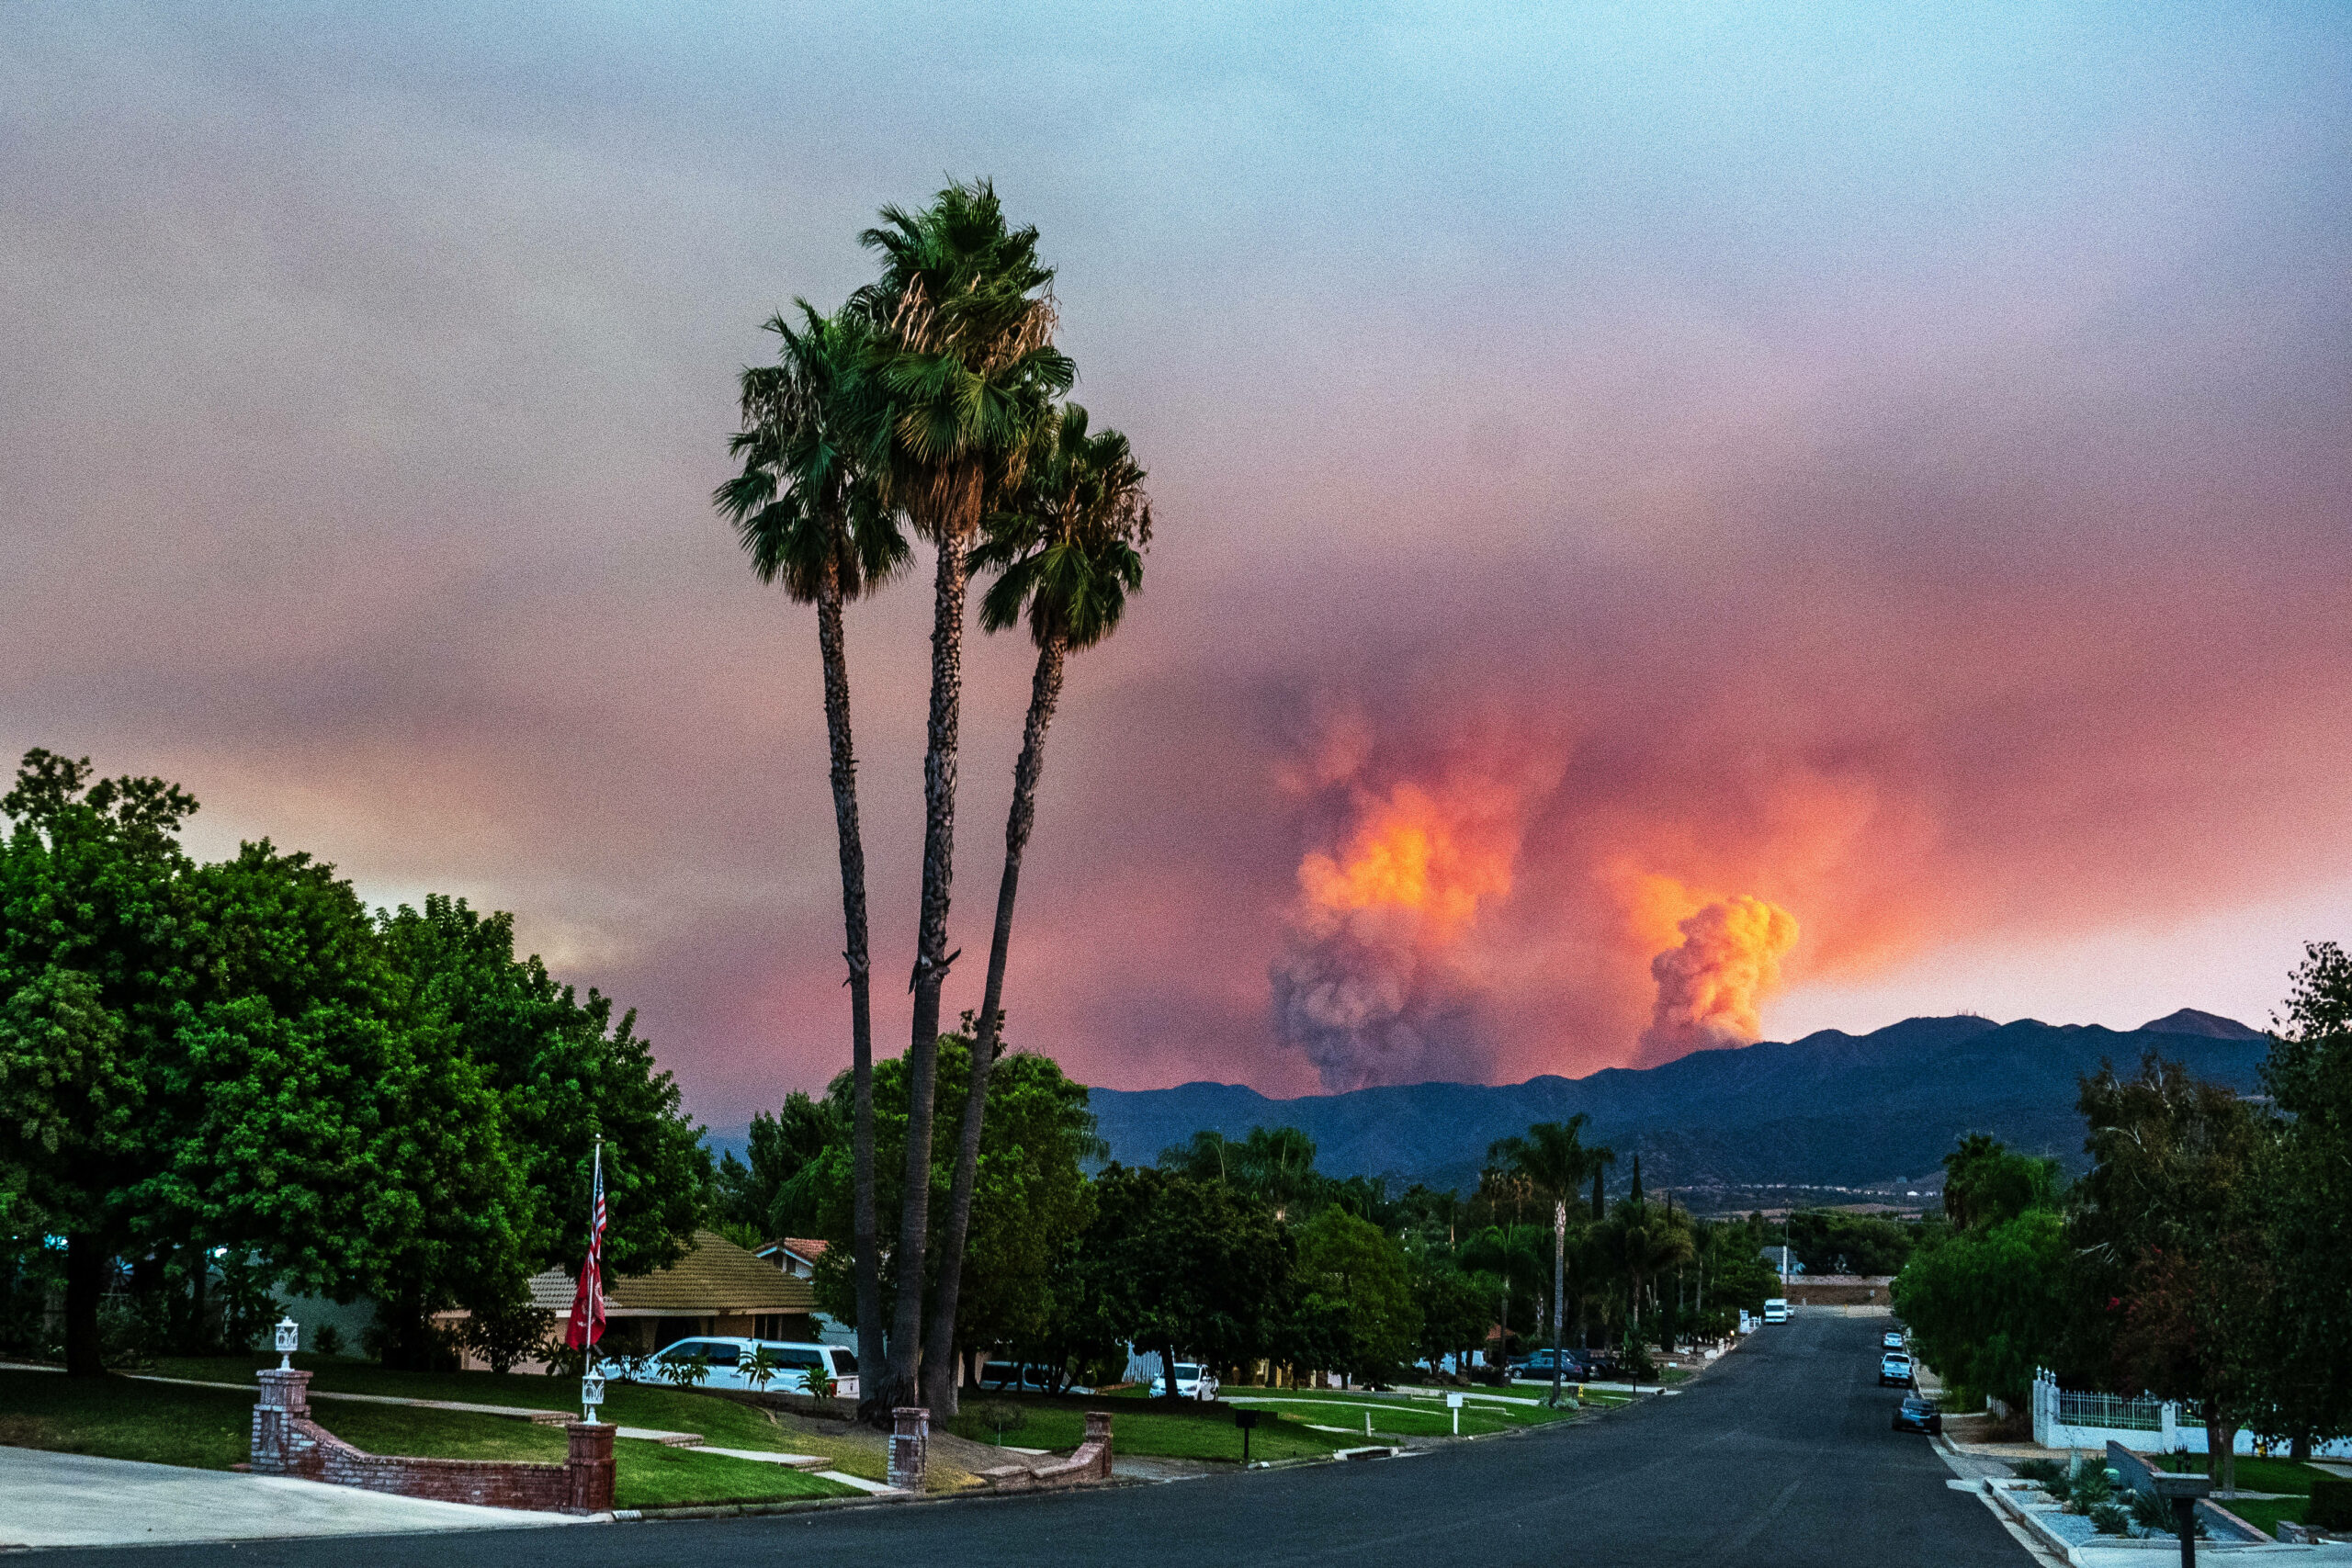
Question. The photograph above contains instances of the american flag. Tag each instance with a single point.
(587, 1324)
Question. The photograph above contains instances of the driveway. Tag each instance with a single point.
(73, 1500)
(1780, 1455)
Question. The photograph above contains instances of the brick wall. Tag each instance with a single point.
(286, 1441)
(1090, 1462)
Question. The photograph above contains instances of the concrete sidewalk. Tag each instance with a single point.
(48, 1499)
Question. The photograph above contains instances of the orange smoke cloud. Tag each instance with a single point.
(1413, 856)
(1710, 985)
(1372, 985)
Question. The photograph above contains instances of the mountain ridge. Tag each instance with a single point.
(1828, 1109)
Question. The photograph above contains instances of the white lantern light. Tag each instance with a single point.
(289, 1340)
(591, 1393)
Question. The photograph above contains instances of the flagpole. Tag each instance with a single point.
(595, 1198)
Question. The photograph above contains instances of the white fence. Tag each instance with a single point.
(2064, 1418)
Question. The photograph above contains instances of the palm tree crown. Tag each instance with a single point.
(806, 499)
(1067, 549)
(965, 319)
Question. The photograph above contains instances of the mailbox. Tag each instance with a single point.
(1245, 1419)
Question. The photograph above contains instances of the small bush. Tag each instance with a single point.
(2091, 1487)
(2109, 1518)
(328, 1341)
(2046, 1474)
(2151, 1513)
(683, 1372)
(2331, 1504)
(1002, 1414)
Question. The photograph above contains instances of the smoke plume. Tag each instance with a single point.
(1374, 984)
(1710, 986)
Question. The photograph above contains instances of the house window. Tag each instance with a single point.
(767, 1325)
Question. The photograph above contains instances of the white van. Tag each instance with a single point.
(730, 1360)
(1776, 1309)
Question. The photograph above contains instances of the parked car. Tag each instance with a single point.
(1776, 1309)
(1539, 1364)
(730, 1360)
(1017, 1377)
(1892, 1339)
(1193, 1381)
(1895, 1371)
(1917, 1413)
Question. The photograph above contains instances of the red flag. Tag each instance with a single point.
(587, 1325)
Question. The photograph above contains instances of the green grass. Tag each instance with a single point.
(648, 1475)
(2266, 1513)
(1195, 1431)
(1401, 1415)
(2256, 1474)
(724, 1423)
(113, 1417)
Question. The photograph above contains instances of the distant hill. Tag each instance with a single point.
(1832, 1110)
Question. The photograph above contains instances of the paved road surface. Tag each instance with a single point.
(1780, 1456)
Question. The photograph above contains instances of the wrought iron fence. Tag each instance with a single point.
(2111, 1411)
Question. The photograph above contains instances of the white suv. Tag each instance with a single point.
(731, 1360)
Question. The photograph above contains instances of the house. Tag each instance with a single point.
(1781, 1260)
(796, 1255)
(717, 1288)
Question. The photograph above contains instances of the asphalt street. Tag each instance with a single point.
(1780, 1455)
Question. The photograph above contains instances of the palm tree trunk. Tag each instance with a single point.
(865, 1227)
(1559, 1282)
(931, 956)
(1045, 694)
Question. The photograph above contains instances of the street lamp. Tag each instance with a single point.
(289, 1340)
(2182, 1492)
(592, 1394)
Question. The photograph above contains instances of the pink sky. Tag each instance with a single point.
(1895, 473)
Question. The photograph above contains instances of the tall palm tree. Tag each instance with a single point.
(1551, 1159)
(962, 357)
(1066, 551)
(809, 514)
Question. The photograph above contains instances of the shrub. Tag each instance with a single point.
(1002, 1414)
(2152, 1513)
(2109, 1518)
(683, 1372)
(2331, 1504)
(2091, 1487)
(2046, 1474)
(506, 1332)
(328, 1341)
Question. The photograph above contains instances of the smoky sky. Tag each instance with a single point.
(1888, 467)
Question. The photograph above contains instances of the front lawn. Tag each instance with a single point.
(1192, 1430)
(113, 1417)
(1402, 1416)
(723, 1423)
(119, 1418)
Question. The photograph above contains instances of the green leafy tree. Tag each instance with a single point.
(1066, 548)
(1456, 1308)
(1986, 1182)
(1174, 1264)
(1988, 1305)
(2308, 1182)
(752, 1195)
(1348, 1262)
(91, 946)
(810, 510)
(561, 1072)
(962, 364)
(2166, 1220)
(1031, 1203)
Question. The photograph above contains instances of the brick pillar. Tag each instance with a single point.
(909, 1446)
(1098, 1430)
(285, 1400)
(588, 1473)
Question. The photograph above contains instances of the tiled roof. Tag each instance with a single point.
(808, 1248)
(715, 1276)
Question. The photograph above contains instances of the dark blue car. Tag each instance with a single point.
(1919, 1413)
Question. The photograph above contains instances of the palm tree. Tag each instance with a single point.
(962, 358)
(810, 515)
(1551, 1159)
(1066, 551)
